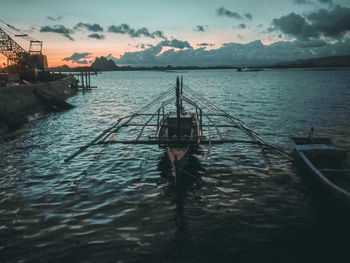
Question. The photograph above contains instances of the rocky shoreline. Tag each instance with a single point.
(17, 103)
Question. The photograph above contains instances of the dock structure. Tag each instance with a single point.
(83, 75)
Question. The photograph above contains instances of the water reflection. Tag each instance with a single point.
(120, 203)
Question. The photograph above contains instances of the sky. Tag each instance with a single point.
(196, 32)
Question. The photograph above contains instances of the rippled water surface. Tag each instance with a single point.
(117, 203)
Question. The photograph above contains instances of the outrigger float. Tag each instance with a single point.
(194, 121)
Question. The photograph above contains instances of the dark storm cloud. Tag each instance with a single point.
(97, 36)
(295, 26)
(331, 23)
(199, 28)
(334, 23)
(59, 29)
(79, 58)
(225, 12)
(175, 43)
(54, 18)
(248, 15)
(242, 26)
(126, 29)
(89, 27)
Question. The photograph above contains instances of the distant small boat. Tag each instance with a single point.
(246, 69)
(329, 165)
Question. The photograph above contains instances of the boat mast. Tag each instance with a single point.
(178, 110)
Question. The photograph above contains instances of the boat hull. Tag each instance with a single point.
(328, 166)
(177, 148)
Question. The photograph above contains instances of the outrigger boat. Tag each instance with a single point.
(178, 131)
(328, 165)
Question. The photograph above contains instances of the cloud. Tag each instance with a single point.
(175, 43)
(126, 29)
(242, 26)
(239, 36)
(235, 54)
(225, 12)
(301, 2)
(89, 27)
(205, 45)
(79, 58)
(144, 57)
(54, 18)
(334, 23)
(143, 46)
(59, 29)
(295, 26)
(159, 34)
(326, 1)
(248, 15)
(310, 43)
(97, 36)
(331, 23)
(199, 28)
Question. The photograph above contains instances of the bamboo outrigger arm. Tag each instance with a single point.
(239, 123)
(118, 125)
(181, 141)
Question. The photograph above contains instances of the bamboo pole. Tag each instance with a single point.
(83, 148)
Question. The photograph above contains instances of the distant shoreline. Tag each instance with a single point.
(104, 64)
(251, 69)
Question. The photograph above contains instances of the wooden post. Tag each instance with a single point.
(158, 120)
(89, 80)
(177, 108)
(82, 79)
(201, 118)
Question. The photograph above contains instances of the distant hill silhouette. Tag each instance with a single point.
(324, 62)
(104, 64)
